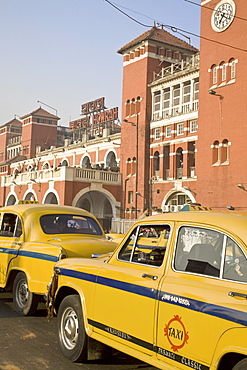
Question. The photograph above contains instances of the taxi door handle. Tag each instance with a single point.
(235, 294)
(154, 277)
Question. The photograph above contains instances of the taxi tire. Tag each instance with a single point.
(242, 365)
(73, 343)
(25, 302)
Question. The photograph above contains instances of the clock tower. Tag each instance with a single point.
(222, 132)
(223, 15)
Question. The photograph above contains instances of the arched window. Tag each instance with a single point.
(111, 161)
(176, 201)
(216, 153)
(127, 108)
(138, 104)
(86, 162)
(132, 107)
(133, 167)
(232, 63)
(128, 166)
(224, 152)
(214, 71)
(65, 163)
(223, 71)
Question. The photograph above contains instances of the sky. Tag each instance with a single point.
(63, 53)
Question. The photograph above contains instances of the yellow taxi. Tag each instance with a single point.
(33, 237)
(173, 294)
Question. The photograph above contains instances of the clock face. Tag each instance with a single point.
(223, 15)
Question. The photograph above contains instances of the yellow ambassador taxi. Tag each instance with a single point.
(33, 237)
(173, 294)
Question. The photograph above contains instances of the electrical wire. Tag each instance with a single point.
(176, 29)
(127, 15)
(208, 7)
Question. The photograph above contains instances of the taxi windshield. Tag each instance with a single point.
(69, 224)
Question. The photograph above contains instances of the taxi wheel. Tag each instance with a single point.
(25, 302)
(71, 333)
(242, 365)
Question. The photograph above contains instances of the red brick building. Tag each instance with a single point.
(178, 143)
(222, 133)
(76, 165)
(144, 58)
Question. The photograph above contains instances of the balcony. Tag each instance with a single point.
(168, 113)
(75, 174)
(191, 64)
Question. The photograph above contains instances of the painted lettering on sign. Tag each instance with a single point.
(176, 299)
(176, 333)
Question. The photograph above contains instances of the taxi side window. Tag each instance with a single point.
(199, 250)
(146, 245)
(235, 263)
(10, 225)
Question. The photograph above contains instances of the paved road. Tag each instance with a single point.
(30, 343)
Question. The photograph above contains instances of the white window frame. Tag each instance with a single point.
(157, 133)
(233, 69)
(215, 71)
(168, 131)
(180, 128)
(193, 126)
(224, 72)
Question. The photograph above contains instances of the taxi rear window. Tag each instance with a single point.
(69, 224)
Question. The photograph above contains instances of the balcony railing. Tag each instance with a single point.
(65, 174)
(193, 62)
(176, 111)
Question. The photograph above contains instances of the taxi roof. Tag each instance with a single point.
(233, 222)
(32, 212)
(40, 208)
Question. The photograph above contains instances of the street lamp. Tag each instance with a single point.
(133, 124)
(38, 101)
(242, 187)
(213, 92)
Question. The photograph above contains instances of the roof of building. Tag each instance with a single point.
(13, 122)
(160, 35)
(40, 112)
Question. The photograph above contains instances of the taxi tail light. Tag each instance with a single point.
(62, 256)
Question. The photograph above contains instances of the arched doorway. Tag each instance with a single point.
(11, 200)
(99, 205)
(30, 196)
(51, 199)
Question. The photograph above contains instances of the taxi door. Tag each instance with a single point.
(199, 301)
(10, 237)
(127, 290)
